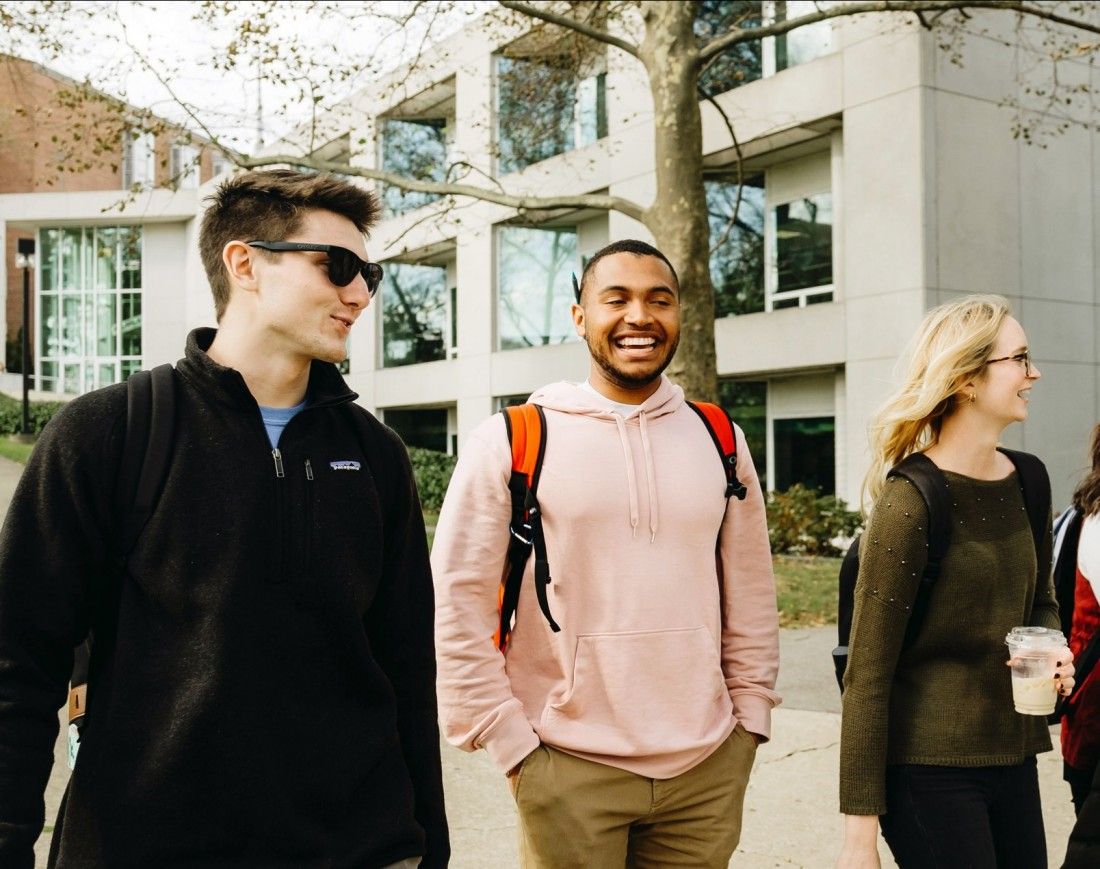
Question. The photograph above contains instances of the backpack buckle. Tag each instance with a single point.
(526, 529)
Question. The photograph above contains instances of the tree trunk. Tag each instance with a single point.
(678, 216)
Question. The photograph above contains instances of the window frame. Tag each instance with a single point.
(803, 295)
(89, 365)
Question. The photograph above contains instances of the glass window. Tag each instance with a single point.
(71, 241)
(544, 109)
(802, 44)
(184, 166)
(591, 109)
(89, 307)
(106, 258)
(805, 453)
(414, 314)
(534, 292)
(739, 64)
(803, 245)
(138, 159)
(504, 401)
(48, 243)
(737, 244)
(415, 149)
(746, 401)
(420, 427)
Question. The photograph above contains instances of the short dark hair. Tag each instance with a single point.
(626, 245)
(270, 205)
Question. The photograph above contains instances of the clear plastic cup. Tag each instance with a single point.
(1034, 653)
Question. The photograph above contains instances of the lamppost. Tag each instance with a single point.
(24, 259)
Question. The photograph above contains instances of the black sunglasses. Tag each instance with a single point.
(343, 265)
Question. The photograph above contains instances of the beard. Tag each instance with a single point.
(631, 379)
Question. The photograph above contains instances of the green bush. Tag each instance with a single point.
(11, 414)
(433, 473)
(804, 522)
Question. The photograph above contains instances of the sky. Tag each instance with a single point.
(116, 43)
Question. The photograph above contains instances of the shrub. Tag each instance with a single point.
(11, 414)
(802, 521)
(433, 473)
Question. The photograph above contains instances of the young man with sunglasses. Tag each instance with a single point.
(262, 680)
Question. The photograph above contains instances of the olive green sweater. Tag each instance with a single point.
(947, 699)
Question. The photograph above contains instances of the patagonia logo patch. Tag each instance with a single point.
(344, 466)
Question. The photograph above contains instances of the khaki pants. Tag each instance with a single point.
(576, 813)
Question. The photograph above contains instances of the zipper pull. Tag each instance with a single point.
(309, 470)
(278, 462)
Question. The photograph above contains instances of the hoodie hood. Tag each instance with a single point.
(571, 398)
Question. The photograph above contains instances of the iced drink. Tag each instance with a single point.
(1034, 654)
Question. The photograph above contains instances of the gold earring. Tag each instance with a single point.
(970, 398)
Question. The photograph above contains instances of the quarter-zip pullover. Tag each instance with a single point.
(262, 678)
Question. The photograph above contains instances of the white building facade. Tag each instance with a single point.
(879, 178)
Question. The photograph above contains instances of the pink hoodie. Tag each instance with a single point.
(657, 659)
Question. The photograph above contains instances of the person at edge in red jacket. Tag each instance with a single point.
(1081, 723)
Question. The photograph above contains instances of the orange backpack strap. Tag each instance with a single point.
(526, 427)
(720, 427)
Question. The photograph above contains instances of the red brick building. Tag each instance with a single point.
(52, 143)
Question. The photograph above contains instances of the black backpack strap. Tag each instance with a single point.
(720, 428)
(1035, 482)
(922, 472)
(150, 428)
(846, 589)
(1067, 535)
(526, 428)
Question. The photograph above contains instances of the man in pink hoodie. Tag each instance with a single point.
(627, 736)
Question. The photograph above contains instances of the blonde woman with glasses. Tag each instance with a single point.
(931, 746)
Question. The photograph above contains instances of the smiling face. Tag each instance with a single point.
(1003, 388)
(629, 316)
(302, 313)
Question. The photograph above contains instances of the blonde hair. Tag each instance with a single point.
(950, 348)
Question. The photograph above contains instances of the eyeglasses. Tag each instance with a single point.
(1023, 359)
(343, 265)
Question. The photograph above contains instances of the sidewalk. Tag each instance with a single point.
(791, 817)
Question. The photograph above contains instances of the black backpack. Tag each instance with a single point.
(150, 426)
(930, 482)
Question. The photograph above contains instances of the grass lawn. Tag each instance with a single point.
(17, 452)
(807, 590)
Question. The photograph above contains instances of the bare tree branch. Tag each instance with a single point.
(571, 24)
(521, 202)
(724, 237)
(778, 28)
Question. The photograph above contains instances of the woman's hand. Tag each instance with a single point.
(1063, 672)
(860, 849)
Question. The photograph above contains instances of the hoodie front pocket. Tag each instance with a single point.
(642, 693)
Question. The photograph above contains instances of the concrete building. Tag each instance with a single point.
(881, 176)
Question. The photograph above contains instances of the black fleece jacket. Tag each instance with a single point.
(262, 688)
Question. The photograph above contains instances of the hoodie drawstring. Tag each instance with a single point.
(651, 477)
(631, 483)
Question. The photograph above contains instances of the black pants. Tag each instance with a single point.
(1080, 783)
(956, 817)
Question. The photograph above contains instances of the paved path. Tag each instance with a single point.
(791, 817)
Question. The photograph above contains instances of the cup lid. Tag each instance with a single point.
(1032, 637)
